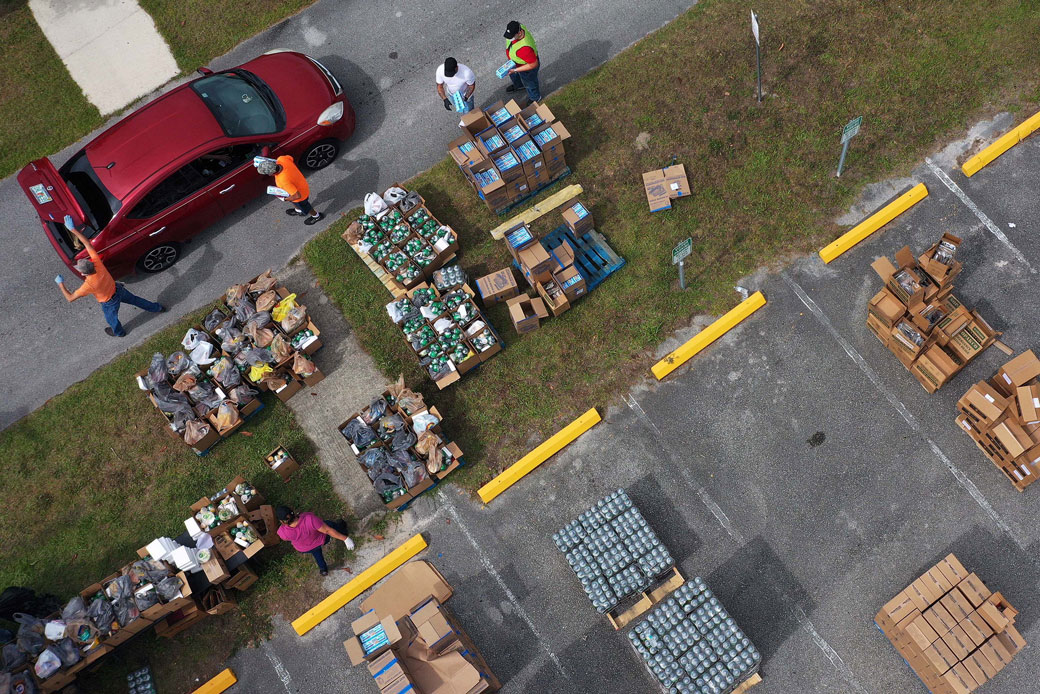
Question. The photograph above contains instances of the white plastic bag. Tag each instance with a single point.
(203, 354)
(54, 630)
(394, 195)
(48, 663)
(191, 339)
(374, 204)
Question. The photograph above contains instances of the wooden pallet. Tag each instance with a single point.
(748, 684)
(593, 256)
(658, 591)
(381, 274)
(532, 214)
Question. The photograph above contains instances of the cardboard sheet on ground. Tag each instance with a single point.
(664, 185)
(406, 588)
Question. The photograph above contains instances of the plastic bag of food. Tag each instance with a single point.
(267, 300)
(375, 411)
(428, 446)
(242, 395)
(424, 421)
(234, 294)
(262, 319)
(403, 440)
(126, 610)
(263, 283)
(283, 307)
(257, 356)
(13, 656)
(374, 204)
(271, 379)
(233, 341)
(157, 369)
(227, 416)
(180, 363)
(386, 480)
(205, 394)
(406, 399)
(176, 407)
(169, 588)
(146, 598)
(296, 317)
(74, 610)
(48, 663)
(374, 458)
(213, 320)
(195, 430)
(102, 615)
(413, 473)
(394, 195)
(359, 433)
(244, 309)
(303, 367)
(68, 652)
(225, 373)
(192, 338)
(185, 382)
(30, 634)
(281, 349)
(23, 683)
(389, 425)
(261, 337)
(148, 571)
(204, 354)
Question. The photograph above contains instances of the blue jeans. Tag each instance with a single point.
(529, 81)
(318, 555)
(123, 296)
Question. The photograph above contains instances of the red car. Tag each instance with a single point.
(176, 165)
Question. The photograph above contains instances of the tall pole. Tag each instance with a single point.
(844, 151)
(758, 59)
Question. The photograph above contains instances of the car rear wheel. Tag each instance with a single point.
(159, 258)
(320, 154)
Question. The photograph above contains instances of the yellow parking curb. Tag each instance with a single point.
(705, 337)
(358, 585)
(874, 222)
(1001, 145)
(218, 684)
(539, 455)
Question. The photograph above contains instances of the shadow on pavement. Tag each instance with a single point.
(364, 95)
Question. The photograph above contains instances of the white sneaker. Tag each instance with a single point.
(350, 544)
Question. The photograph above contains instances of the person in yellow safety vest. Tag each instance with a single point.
(521, 49)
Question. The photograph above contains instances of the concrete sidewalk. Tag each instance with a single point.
(110, 47)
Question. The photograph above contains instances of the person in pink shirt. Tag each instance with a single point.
(308, 533)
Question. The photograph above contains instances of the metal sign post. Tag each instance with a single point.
(847, 133)
(758, 51)
(679, 254)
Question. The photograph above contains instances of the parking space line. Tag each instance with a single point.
(276, 663)
(966, 483)
(963, 197)
(490, 568)
(803, 620)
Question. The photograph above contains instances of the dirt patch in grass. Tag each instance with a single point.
(762, 178)
(199, 30)
(42, 109)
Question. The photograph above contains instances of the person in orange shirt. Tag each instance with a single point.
(97, 281)
(288, 177)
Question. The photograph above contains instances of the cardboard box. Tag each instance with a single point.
(536, 262)
(974, 590)
(291, 388)
(508, 164)
(663, 185)
(952, 568)
(356, 651)
(958, 681)
(975, 669)
(385, 669)
(550, 137)
(897, 608)
(474, 122)
(941, 273)
(242, 579)
(975, 635)
(956, 604)
(571, 281)
(497, 287)
(920, 632)
(186, 599)
(958, 642)
(216, 601)
(531, 158)
(535, 114)
(903, 278)
(488, 180)
(286, 468)
(463, 150)
(501, 111)
(407, 589)
(935, 367)
(490, 141)
(1028, 401)
(983, 402)
(1011, 640)
(526, 313)
(578, 219)
(993, 616)
(178, 621)
(886, 308)
(939, 657)
(919, 595)
(939, 619)
(975, 337)
(433, 626)
(512, 130)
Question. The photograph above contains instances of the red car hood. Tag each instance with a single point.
(302, 88)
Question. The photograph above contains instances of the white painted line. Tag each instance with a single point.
(276, 662)
(966, 483)
(832, 655)
(490, 568)
(637, 408)
(956, 190)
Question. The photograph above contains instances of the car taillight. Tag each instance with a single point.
(332, 114)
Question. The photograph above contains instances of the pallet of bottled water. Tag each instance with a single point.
(692, 646)
(614, 552)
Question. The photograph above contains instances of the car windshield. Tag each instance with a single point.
(241, 103)
(97, 203)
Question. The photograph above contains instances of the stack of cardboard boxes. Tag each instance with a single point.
(1002, 416)
(448, 332)
(373, 429)
(551, 273)
(411, 642)
(404, 244)
(919, 319)
(508, 153)
(951, 629)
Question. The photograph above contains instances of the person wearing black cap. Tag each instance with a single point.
(454, 78)
(521, 49)
(308, 533)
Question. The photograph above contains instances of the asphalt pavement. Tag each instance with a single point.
(795, 465)
(385, 53)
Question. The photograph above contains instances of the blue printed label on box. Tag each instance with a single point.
(534, 121)
(514, 133)
(501, 116)
(580, 210)
(467, 147)
(494, 142)
(507, 161)
(545, 136)
(519, 237)
(504, 70)
(527, 150)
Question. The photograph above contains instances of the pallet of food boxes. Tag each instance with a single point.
(399, 443)
(917, 317)
(259, 337)
(400, 240)
(509, 154)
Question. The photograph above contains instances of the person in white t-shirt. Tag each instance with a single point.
(455, 78)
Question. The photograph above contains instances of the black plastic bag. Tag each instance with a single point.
(413, 473)
(374, 458)
(386, 481)
(102, 615)
(214, 319)
(146, 599)
(157, 370)
(162, 390)
(359, 433)
(233, 341)
(149, 570)
(68, 652)
(169, 588)
(243, 395)
(390, 425)
(14, 656)
(76, 609)
(403, 440)
(375, 411)
(205, 394)
(30, 634)
(120, 588)
(257, 356)
(244, 309)
(126, 610)
(179, 363)
(225, 373)
(23, 683)
(261, 319)
(176, 407)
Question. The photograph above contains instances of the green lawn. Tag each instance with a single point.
(199, 30)
(762, 178)
(41, 108)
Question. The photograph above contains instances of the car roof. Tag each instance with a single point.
(150, 138)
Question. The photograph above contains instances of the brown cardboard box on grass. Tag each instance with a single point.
(508, 164)
(286, 467)
(578, 219)
(497, 287)
(501, 111)
(490, 142)
(663, 185)
(553, 296)
(571, 281)
(550, 138)
(535, 262)
(535, 115)
(526, 313)
(368, 626)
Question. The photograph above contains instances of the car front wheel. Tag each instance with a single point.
(320, 154)
(159, 258)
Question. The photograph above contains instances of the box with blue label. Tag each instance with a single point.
(490, 141)
(530, 156)
(550, 137)
(578, 218)
(501, 111)
(508, 165)
(372, 637)
(502, 71)
(511, 130)
(535, 114)
(464, 152)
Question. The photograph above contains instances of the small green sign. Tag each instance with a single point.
(684, 249)
(850, 129)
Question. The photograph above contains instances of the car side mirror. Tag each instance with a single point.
(204, 71)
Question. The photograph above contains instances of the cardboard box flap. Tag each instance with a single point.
(905, 257)
(407, 588)
(884, 268)
(450, 673)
